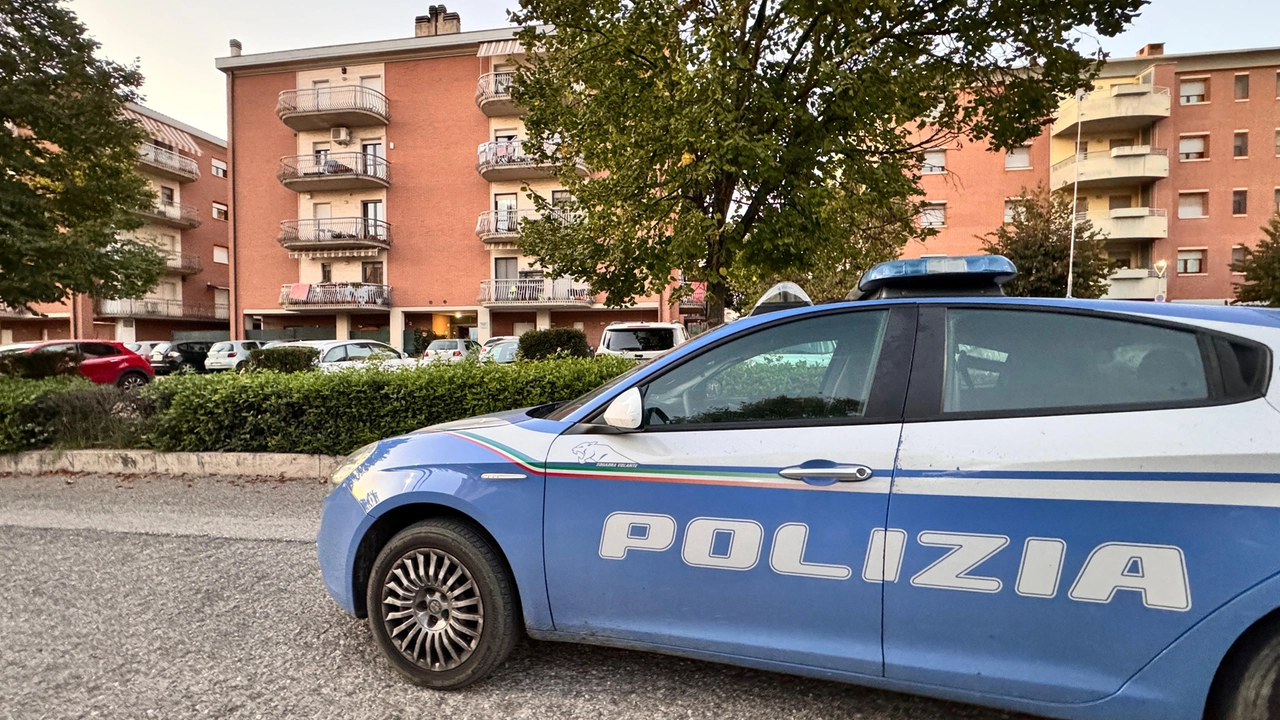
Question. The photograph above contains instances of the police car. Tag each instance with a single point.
(1064, 507)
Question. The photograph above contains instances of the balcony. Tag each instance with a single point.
(325, 235)
(168, 164)
(328, 107)
(334, 171)
(696, 299)
(536, 293)
(493, 95)
(1137, 223)
(1119, 108)
(146, 308)
(1115, 168)
(507, 160)
(182, 263)
(306, 297)
(1133, 284)
(501, 225)
(174, 215)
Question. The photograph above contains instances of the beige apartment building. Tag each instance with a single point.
(1175, 157)
(187, 169)
(378, 189)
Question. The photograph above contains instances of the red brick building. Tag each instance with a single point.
(187, 170)
(378, 187)
(1178, 162)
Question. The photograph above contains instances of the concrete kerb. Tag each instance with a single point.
(152, 462)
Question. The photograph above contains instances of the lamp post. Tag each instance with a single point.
(1075, 196)
(1161, 266)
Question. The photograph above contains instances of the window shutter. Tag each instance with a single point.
(1191, 145)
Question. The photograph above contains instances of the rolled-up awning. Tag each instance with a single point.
(501, 47)
(166, 133)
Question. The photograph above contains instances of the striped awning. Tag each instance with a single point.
(501, 47)
(166, 133)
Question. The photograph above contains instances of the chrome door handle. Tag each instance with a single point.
(843, 473)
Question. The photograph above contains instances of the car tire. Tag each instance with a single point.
(442, 604)
(132, 380)
(1248, 684)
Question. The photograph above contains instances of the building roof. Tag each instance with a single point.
(399, 46)
(146, 113)
(1193, 62)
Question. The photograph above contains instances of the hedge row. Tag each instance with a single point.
(26, 413)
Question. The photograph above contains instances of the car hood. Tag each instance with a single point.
(480, 422)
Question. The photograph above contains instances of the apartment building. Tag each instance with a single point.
(378, 188)
(187, 169)
(1175, 157)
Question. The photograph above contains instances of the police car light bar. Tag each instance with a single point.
(935, 277)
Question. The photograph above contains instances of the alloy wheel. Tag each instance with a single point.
(433, 612)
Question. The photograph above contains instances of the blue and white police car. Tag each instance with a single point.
(1064, 507)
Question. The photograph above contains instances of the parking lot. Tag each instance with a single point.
(177, 598)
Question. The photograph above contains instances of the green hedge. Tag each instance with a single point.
(285, 358)
(556, 342)
(27, 417)
(40, 364)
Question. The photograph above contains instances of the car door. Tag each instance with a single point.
(721, 527)
(1072, 495)
(102, 362)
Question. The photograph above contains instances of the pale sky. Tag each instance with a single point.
(176, 41)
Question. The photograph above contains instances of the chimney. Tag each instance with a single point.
(1151, 50)
(437, 21)
(236, 48)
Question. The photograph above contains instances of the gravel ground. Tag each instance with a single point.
(172, 598)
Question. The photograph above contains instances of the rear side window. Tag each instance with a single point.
(97, 350)
(1002, 360)
(640, 340)
(221, 347)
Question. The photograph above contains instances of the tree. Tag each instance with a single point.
(67, 178)
(1038, 241)
(1261, 267)
(713, 129)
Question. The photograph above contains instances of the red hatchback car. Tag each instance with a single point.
(107, 363)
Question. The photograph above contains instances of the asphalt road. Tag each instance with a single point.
(169, 598)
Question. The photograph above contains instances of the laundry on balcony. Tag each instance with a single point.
(299, 292)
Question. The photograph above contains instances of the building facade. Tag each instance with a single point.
(1175, 157)
(188, 172)
(378, 189)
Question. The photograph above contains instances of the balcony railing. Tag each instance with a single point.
(493, 94)
(321, 108)
(299, 296)
(696, 299)
(533, 292)
(1131, 223)
(168, 163)
(146, 308)
(175, 214)
(334, 171)
(1111, 168)
(509, 160)
(335, 233)
(1118, 108)
(183, 263)
(501, 224)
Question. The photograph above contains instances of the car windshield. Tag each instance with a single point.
(161, 348)
(443, 345)
(576, 404)
(221, 347)
(639, 340)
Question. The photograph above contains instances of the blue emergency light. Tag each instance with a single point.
(935, 277)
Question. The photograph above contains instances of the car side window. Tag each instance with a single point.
(97, 350)
(819, 367)
(378, 351)
(1018, 360)
(359, 351)
(337, 354)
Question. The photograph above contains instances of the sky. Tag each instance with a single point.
(175, 41)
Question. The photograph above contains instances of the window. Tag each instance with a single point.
(220, 211)
(1237, 258)
(935, 162)
(326, 272)
(1278, 85)
(816, 368)
(1191, 262)
(1193, 92)
(1000, 360)
(219, 167)
(1017, 158)
(561, 199)
(372, 214)
(371, 272)
(1082, 204)
(506, 218)
(1278, 143)
(933, 214)
(1240, 144)
(320, 152)
(337, 354)
(97, 350)
(1193, 147)
(1276, 202)
(1193, 205)
(1011, 209)
(506, 268)
(1242, 86)
(166, 195)
(1114, 143)
(1239, 202)
(220, 255)
(1117, 202)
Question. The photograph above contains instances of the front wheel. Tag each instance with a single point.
(1248, 684)
(442, 605)
(133, 380)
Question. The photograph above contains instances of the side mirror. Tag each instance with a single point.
(626, 412)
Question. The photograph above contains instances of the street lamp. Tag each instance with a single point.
(1161, 266)
(1075, 194)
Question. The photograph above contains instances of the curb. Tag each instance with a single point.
(154, 462)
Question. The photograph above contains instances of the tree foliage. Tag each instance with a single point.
(1261, 268)
(716, 131)
(67, 158)
(1038, 241)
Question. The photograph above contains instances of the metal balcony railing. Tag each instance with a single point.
(168, 160)
(303, 295)
(493, 223)
(178, 213)
(335, 232)
(1126, 151)
(338, 99)
(184, 263)
(494, 86)
(696, 299)
(535, 291)
(334, 164)
(507, 152)
(163, 308)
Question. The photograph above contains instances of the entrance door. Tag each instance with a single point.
(745, 517)
(505, 216)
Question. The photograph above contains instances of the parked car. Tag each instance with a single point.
(187, 356)
(143, 348)
(495, 340)
(451, 350)
(103, 362)
(1069, 508)
(229, 355)
(640, 340)
(503, 352)
(344, 354)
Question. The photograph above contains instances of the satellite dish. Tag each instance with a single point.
(783, 296)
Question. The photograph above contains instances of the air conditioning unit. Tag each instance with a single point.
(340, 135)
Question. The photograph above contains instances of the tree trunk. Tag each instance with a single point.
(715, 304)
